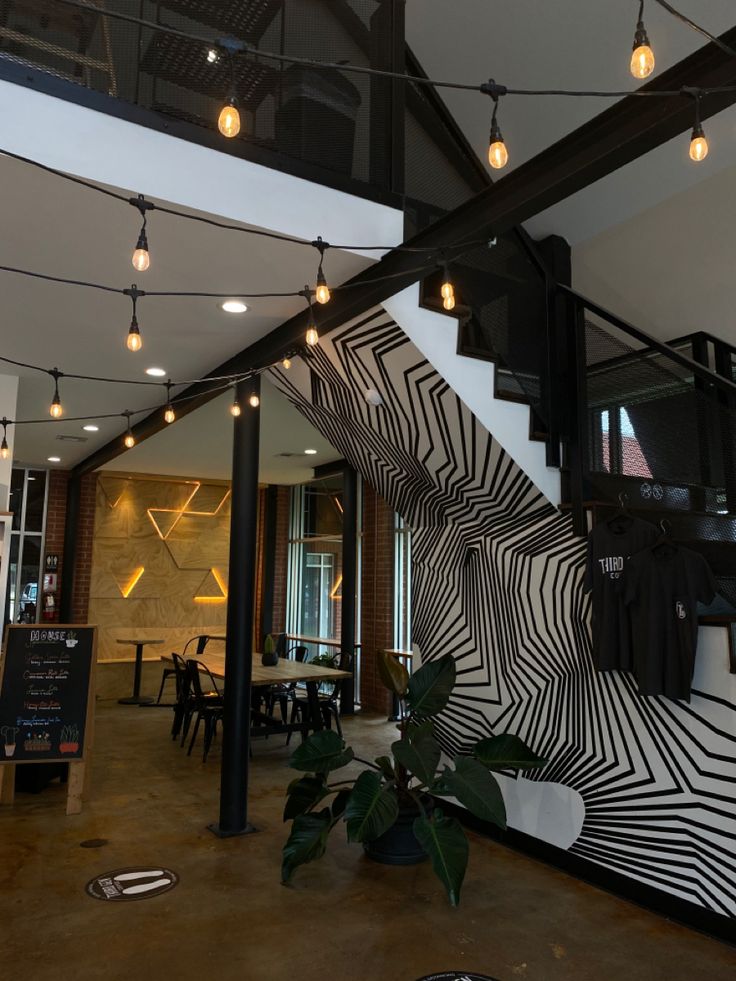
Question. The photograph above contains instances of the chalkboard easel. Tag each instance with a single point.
(47, 703)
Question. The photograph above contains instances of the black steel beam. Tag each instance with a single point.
(240, 609)
(627, 130)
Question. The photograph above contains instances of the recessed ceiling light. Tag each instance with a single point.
(234, 306)
(54, 459)
(155, 372)
(310, 452)
(91, 429)
(212, 56)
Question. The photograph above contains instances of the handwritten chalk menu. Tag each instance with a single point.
(44, 692)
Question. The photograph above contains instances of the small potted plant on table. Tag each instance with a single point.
(391, 806)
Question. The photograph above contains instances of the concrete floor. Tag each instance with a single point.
(345, 917)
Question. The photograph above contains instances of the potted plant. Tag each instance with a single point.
(270, 656)
(391, 806)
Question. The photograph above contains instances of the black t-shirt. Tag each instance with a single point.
(610, 544)
(663, 587)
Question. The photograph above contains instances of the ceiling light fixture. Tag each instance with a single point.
(642, 56)
(169, 414)
(55, 409)
(234, 306)
(4, 448)
(311, 336)
(447, 291)
(322, 292)
(54, 459)
(310, 452)
(134, 341)
(90, 428)
(228, 121)
(141, 259)
(155, 372)
(129, 439)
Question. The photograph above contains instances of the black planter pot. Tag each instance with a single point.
(398, 845)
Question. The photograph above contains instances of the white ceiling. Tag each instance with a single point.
(201, 444)
(56, 227)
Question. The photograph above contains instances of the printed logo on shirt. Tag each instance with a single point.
(680, 610)
(612, 566)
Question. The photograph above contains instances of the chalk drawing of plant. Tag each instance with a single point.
(9, 733)
(69, 740)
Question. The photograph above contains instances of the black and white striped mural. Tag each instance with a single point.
(643, 786)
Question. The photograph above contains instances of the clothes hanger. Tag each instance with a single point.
(622, 512)
(664, 539)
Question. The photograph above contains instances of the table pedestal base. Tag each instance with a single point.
(219, 833)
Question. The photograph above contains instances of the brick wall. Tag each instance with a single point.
(377, 589)
(54, 544)
(281, 563)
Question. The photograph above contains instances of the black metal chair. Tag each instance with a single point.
(206, 704)
(183, 693)
(284, 693)
(328, 701)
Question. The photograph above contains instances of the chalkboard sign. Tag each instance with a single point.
(45, 692)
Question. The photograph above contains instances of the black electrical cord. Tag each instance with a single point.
(696, 27)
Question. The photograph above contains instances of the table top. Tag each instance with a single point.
(284, 671)
(142, 641)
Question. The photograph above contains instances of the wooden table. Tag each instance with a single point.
(136, 698)
(283, 673)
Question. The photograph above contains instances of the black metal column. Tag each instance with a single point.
(349, 579)
(69, 555)
(240, 604)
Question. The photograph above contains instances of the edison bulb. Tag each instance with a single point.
(228, 122)
(129, 441)
(4, 450)
(134, 342)
(447, 290)
(498, 155)
(235, 409)
(449, 303)
(141, 260)
(254, 401)
(642, 61)
(312, 337)
(55, 410)
(169, 415)
(698, 146)
(286, 363)
(322, 293)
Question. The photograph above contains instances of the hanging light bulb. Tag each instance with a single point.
(228, 121)
(286, 364)
(254, 401)
(447, 290)
(169, 414)
(129, 439)
(141, 259)
(312, 337)
(55, 409)
(498, 155)
(134, 341)
(4, 448)
(235, 408)
(642, 56)
(322, 291)
(698, 144)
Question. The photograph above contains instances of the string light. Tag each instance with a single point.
(55, 409)
(286, 363)
(134, 341)
(698, 144)
(642, 56)
(447, 290)
(141, 259)
(254, 401)
(322, 292)
(4, 448)
(498, 155)
(235, 407)
(169, 414)
(228, 122)
(129, 439)
(311, 337)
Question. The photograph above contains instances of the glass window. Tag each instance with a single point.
(35, 500)
(28, 495)
(17, 484)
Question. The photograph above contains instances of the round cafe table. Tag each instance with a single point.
(136, 698)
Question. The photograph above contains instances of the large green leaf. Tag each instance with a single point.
(386, 766)
(443, 839)
(372, 809)
(419, 754)
(322, 752)
(475, 788)
(430, 687)
(307, 841)
(393, 673)
(506, 751)
(303, 794)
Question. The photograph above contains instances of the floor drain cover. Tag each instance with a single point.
(93, 843)
(127, 885)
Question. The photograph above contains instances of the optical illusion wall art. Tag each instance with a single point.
(643, 786)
